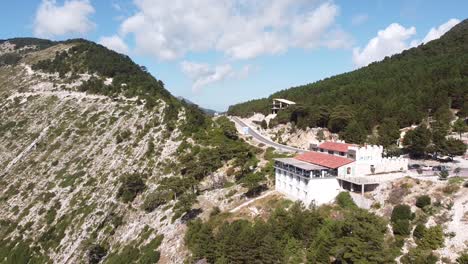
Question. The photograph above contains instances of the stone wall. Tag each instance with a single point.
(371, 155)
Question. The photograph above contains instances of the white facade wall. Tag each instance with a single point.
(316, 190)
(372, 155)
(343, 171)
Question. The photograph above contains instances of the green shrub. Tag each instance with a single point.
(451, 188)
(132, 185)
(463, 258)
(252, 180)
(149, 254)
(156, 199)
(422, 201)
(129, 254)
(215, 211)
(401, 212)
(402, 227)
(419, 231)
(122, 136)
(264, 124)
(419, 256)
(344, 200)
(443, 175)
(433, 238)
(96, 253)
(9, 59)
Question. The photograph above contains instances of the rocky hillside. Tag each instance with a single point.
(97, 160)
(99, 163)
(435, 204)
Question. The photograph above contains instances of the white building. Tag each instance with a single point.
(279, 104)
(319, 175)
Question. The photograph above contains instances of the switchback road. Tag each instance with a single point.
(259, 137)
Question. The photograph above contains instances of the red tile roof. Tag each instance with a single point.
(325, 160)
(335, 146)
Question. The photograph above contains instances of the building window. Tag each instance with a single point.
(342, 153)
(372, 169)
(348, 170)
(330, 152)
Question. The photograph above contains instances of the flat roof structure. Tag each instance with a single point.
(336, 146)
(301, 164)
(325, 160)
(284, 101)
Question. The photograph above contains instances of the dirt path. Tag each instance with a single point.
(458, 225)
(251, 201)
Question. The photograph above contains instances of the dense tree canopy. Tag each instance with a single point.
(295, 235)
(416, 141)
(406, 87)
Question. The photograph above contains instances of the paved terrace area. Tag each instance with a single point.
(373, 179)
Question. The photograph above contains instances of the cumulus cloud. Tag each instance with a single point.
(436, 33)
(203, 74)
(308, 29)
(73, 17)
(115, 43)
(389, 41)
(338, 39)
(394, 39)
(238, 28)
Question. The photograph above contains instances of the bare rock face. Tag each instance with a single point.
(62, 154)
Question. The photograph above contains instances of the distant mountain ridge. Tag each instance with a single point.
(205, 110)
(405, 87)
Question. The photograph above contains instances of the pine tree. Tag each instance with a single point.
(460, 127)
(417, 141)
(389, 133)
(354, 133)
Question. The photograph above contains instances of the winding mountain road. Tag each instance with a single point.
(259, 137)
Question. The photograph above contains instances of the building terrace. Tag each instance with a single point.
(279, 103)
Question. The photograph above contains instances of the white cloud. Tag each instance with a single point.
(338, 39)
(359, 19)
(436, 33)
(70, 18)
(240, 29)
(307, 30)
(394, 39)
(203, 74)
(389, 41)
(115, 43)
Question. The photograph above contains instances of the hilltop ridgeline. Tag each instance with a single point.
(403, 88)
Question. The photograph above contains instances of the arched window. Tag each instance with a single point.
(348, 170)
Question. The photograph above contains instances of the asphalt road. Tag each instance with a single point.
(265, 140)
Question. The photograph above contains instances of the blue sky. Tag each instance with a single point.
(220, 52)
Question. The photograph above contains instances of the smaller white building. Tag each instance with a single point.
(279, 103)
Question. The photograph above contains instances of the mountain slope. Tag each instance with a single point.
(97, 159)
(405, 87)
